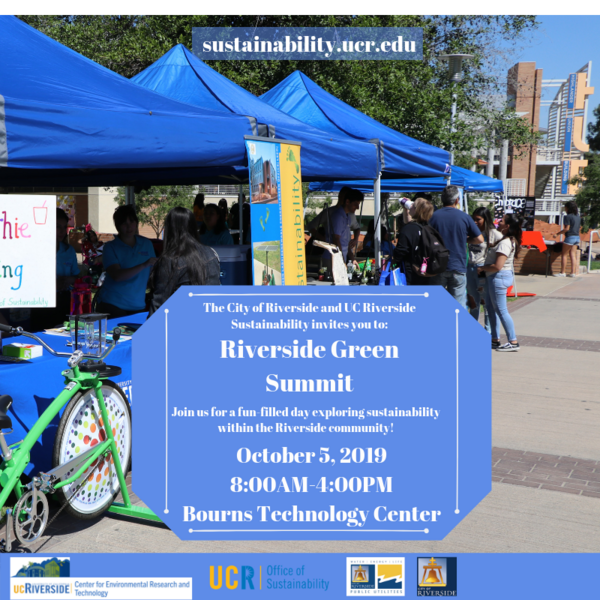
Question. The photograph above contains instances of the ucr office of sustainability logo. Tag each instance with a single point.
(379, 576)
(436, 576)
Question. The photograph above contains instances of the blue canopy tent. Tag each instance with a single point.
(400, 155)
(468, 180)
(180, 75)
(64, 117)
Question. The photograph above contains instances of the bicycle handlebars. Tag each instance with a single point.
(19, 331)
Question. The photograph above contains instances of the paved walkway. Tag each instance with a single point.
(546, 457)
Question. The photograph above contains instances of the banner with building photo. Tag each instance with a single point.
(276, 212)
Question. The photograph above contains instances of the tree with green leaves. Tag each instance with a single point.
(588, 192)
(413, 97)
(153, 205)
(594, 132)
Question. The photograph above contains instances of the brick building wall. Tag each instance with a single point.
(533, 262)
(524, 87)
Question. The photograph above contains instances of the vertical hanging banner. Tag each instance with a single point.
(276, 212)
(566, 168)
(572, 90)
(28, 251)
(568, 134)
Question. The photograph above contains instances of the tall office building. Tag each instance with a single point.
(544, 171)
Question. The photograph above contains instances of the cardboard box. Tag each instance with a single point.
(25, 351)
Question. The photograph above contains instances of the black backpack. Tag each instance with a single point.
(432, 248)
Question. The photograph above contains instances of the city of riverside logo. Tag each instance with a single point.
(360, 574)
(436, 576)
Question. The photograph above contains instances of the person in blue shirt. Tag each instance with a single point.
(128, 260)
(217, 233)
(67, 270)
(457, 230)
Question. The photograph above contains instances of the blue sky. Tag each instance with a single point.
(562, 45)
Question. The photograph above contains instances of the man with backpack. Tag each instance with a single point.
(457, 230)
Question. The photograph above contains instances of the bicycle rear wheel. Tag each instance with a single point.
(81, 428)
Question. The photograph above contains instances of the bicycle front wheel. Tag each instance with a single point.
(81, 427)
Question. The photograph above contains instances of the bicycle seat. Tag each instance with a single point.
(5, 403)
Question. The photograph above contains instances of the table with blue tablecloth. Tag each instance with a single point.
(34, 384)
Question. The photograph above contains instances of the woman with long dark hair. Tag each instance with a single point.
(409, 242)
(498, 269)
(477, 253)
(184, 260)
(572, 224)
(216, 233)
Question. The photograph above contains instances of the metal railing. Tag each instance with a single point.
(516, 187)
(551, 206)
(548, 154)
(222, 190)
(595, 231)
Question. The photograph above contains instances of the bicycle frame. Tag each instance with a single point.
(12, 469)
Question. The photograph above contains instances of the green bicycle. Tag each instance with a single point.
(92, 449)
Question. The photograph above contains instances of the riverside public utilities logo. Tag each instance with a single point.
(378, 576)
(436, 576)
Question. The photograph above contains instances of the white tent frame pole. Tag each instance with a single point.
(461, 192)
(241, 209)
(376, 211)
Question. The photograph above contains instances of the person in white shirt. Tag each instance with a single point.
(498, 269)
(477, 254)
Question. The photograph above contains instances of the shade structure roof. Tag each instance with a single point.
(180, 75)
(400, 155)
(470, 181)
(62, 114)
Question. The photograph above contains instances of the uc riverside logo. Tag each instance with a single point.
(231, 579)
(436, 576)
(379, 576)
(23, 569)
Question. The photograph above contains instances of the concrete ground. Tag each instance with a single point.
(546, 458)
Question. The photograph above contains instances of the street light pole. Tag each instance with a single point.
(452, 122)
(455, 75)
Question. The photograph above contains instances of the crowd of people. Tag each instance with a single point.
(477, 271)
(215, 221)
(187, 258)
(479, 268)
